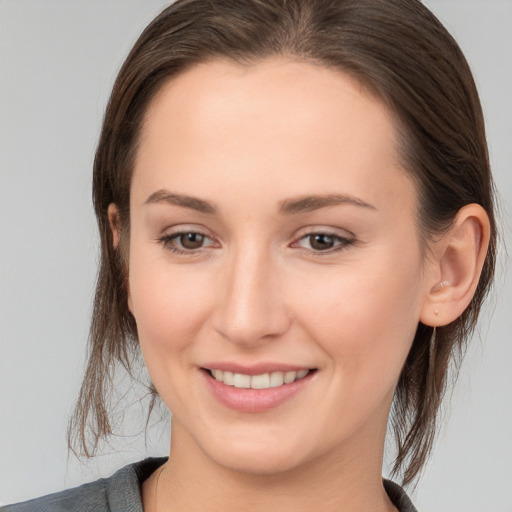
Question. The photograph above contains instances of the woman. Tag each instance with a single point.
(295, 207)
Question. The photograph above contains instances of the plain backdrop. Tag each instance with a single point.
(58, 59)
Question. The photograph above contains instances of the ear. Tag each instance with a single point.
(115, 227)
(456, 264)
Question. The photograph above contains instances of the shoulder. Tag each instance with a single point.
(118, 493)
(92, 496)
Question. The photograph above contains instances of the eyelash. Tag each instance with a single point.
(342, 242)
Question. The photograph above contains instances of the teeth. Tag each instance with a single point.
(289, 377)
(260, 381)
(276, 379)
(228, 378)
(263, 381)
(241, 381)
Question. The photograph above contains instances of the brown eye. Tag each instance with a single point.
(191, 240)
(187, 242)
(321, 242)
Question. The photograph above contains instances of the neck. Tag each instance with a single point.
(341, 480)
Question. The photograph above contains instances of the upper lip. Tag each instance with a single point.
(254, 369)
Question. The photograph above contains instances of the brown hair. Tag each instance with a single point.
(400, 51)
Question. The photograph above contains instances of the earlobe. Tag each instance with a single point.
(458, 263)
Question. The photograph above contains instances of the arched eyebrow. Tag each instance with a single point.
(288, 207)
(310, 203)
(194, 203)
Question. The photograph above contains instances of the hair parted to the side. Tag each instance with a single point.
(396, 48)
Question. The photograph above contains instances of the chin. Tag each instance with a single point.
(263, 455)
(258, 462)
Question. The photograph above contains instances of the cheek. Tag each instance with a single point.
(365, 319)
(169, 304)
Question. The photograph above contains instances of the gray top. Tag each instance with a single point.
(121, 493)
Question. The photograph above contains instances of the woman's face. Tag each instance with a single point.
(273, 235)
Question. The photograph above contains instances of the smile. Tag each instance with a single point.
(258, 388)
(262, 381)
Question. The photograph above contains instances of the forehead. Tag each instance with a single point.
(276, 120)
(292, 93)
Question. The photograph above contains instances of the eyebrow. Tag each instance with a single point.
(289, 206)
(164, 196)
(311, 203)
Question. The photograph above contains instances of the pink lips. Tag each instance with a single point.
(253, 400)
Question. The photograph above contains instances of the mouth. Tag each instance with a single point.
(273, 379)
(257, 387)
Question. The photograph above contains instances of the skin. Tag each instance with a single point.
(248, 140)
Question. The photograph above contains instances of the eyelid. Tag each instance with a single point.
(324, 230)
(179, 229)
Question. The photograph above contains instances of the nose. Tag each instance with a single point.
(251, 308)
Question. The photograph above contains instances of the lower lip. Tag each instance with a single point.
(254, 400)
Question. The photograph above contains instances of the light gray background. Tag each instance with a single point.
(58, 59)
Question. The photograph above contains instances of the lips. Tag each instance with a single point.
(257, 388)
